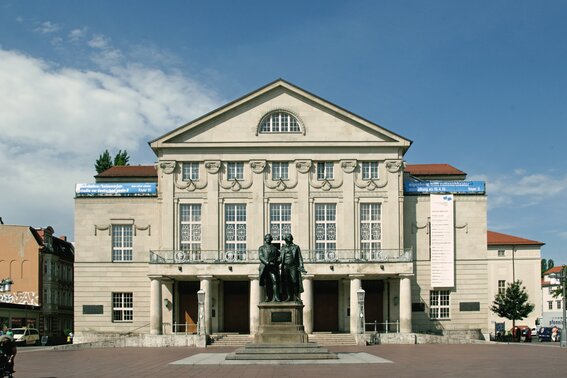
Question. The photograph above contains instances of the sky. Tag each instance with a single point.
(480, 85)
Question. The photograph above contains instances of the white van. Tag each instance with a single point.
(27, 336)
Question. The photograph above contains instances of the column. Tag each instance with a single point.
(355, 285)
(206, 287)
(405, 304)
(167, 309)
(307, 297)
(155, 305)
(254, 302)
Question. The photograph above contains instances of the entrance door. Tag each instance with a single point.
(325, 306)
(236, 306)
(373, 304)
(188, 308)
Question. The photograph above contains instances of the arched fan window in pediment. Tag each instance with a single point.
(279, 122)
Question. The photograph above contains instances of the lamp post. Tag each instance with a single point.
(360, 295)
(562, 276)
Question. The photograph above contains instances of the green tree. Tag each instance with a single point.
(512, 303)
(550, 264)
(121, 158)
(103, 162)
(543, 266)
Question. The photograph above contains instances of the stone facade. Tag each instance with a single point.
(277, 160)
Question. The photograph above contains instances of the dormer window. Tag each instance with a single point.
(279, 122)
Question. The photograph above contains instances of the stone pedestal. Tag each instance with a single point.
(281, 336)
(281, 323)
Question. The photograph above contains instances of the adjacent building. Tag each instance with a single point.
(40, 269)
(282, 160)
(552, 298)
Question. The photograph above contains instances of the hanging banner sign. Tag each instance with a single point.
(117, 189)
(453, 187)
(442, 234)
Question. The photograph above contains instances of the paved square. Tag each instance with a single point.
(219, 359)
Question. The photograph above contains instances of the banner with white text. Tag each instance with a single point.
(442, 236)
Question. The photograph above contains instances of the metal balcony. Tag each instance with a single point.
(309, 256)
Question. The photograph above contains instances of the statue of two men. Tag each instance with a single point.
(282, 283)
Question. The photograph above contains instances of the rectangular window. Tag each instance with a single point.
(325, 170)
(558, 303)
(190, 171)
(501, 286)
(325, 231)
(121, 242)
(439, 304)
(235, 170)
(280, 220)
(122, 307)
(550, 305)
(369, 170)
(280, 170)
(235, 231)
(190, 230)
(501, 253)
(370, 230)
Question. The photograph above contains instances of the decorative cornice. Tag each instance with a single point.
(303, 166)
(212, 166)
(258, 166)
(167, 166)
(393, 166)
(348, 165)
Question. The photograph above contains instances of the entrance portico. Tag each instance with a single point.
(230, 301)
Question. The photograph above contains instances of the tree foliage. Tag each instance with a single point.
(121, 158)
(550, 264)
(105, 161)
(543, 266)
(512, 303)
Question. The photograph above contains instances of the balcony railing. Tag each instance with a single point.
(251, 256)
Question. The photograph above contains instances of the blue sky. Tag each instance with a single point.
(480, 85)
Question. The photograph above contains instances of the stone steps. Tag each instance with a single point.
(303, 351)
(323, 339)
(330, 339)
(230, 340)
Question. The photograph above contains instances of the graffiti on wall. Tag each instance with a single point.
(20, 298)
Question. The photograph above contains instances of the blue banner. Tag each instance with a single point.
(117, 189)
(453, 187)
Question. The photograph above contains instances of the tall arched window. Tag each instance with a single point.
(279, 122)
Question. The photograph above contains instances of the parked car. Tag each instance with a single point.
(27, 336)
(549, 334)
(522, 333)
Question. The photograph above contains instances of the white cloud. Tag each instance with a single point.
(55, 121)
(48, 27)
(98, 42)
(522, 189)
(76, 35)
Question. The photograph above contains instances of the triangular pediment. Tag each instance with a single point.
(321, 122)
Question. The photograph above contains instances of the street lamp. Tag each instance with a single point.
(562, 277)
(360, 295)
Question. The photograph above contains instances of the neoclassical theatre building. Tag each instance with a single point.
(282, 160)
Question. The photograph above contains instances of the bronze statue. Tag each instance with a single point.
(269, 269)
(292, 267)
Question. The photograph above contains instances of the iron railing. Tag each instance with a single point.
(251, 256)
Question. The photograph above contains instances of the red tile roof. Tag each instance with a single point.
(130, 171)
(555, 269)
(496, 238)
(432, 169)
